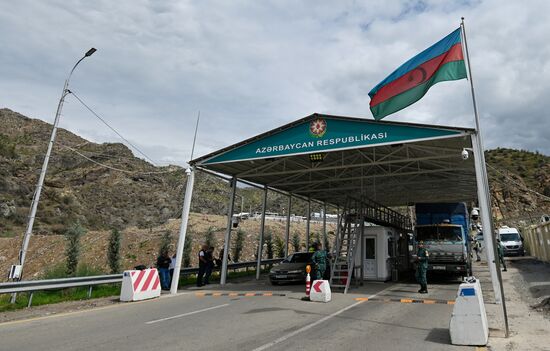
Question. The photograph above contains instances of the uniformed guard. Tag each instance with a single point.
(500, 249)
(422, 267)
(319, 257)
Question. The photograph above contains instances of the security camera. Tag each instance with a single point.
(465, 154)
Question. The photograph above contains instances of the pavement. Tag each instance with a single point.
(207, 320)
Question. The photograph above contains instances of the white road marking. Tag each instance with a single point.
(187, 314)
(309, 326)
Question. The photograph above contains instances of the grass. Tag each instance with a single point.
(81, 293)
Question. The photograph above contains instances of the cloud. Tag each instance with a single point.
(252, 66)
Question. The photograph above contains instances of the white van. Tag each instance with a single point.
(512, 241)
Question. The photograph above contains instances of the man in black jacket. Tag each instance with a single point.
(163, 266)
(203, 262)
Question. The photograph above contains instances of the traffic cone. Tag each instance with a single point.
(308, 285)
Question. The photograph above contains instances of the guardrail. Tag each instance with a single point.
(64, 283)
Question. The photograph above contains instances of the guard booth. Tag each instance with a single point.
(362, 168)
(384, 254)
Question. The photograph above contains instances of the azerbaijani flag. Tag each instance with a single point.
(410, 82)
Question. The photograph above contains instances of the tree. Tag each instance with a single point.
(113, 251)
(72, 251)
(209, 238)
(239, 244)
(280, 246)
(165, 242)
(268, 240)
(296, 242)
(188, 248)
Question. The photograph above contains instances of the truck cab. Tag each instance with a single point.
(446, 247)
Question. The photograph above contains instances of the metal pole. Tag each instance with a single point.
(484, 196)
(287, 235)
(228, 232)
(38, 190)
(262, 231)
(308, 222)
(183, 228)
(324, 223)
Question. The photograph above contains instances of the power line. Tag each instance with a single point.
(113, 129)
(114, 168)
(518, 184)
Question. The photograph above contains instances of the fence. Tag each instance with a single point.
(537, 241)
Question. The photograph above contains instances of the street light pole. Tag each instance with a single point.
(38, 190)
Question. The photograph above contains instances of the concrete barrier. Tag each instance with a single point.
(468, 324)
(140, 285)
(320, 291)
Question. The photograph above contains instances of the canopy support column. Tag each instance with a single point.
(325, 239)
(287, 234)
(308, 222)
(226, 243)
(262, 231)
(183, 229)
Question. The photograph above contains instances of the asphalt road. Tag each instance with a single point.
(190, 322)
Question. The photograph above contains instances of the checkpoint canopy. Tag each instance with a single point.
(328, 158)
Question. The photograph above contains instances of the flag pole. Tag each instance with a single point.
(484, 197)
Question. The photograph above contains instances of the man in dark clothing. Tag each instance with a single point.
(163, 265)
(202, 265)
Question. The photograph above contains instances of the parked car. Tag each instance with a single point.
(512, 241)
(291, 269)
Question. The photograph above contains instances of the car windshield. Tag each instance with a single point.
(436, 233)
(509, 237)
(300, 257)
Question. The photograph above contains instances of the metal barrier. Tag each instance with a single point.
(54, 284)
(537, 241)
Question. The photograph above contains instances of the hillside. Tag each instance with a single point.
(514, 177)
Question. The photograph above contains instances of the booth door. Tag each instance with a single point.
(370, 257)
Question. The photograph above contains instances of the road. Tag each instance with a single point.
(191, 322)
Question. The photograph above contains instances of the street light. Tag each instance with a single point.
(18, 269)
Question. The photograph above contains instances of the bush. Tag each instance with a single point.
(239, 244)
(113, 251)
(209, 238)
(280, 247)
(296, 242)
(188, 247)
(165, 242)
(268, 241)
(72, 252)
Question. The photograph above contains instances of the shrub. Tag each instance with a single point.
(268, 241)
(188, 247)
(165, 242)
(280, 246)
(296, 242)
(113, 251)
(209, 238)
(72, 252)
(239, 244)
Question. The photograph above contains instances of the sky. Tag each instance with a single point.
(251, 66)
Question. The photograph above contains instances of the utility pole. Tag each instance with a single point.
(38, 190)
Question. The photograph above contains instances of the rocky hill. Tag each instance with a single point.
(520, 185)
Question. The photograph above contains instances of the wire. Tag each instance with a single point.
(114, 168)
(518, 184)
(113, 129)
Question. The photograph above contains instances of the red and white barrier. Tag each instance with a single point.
(140, 285)
(320, 291)
(308, 285)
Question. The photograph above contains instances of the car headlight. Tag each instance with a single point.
(272, 271)
(295, 271)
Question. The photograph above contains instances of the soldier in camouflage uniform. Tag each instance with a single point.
(422, 268)
(320, 260)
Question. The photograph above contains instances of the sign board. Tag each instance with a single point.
(323, 134)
